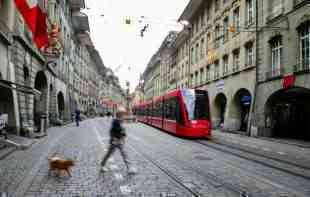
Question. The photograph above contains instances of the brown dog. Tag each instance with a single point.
(59, 164)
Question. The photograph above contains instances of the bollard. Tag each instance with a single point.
(43, 123)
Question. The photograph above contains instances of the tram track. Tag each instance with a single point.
(168, 173)
(216, 181)
(265, 160)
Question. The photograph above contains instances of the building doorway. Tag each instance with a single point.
(220, 105)
(242, 105)
(7, 107)
(61, 105)
(289, 113)
(40, 102)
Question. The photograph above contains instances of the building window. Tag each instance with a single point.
(208, 38)
(208, 13)
(192, 80)
(196, 78)
(217, 36)
(250, 11)
(193, 55)
(202, 74)
(225, 25)
(216, 5)
(216, 70)
(208, 74)
(202, 50)
(276, 55)
(249, 54)
(225, 64)
(236, 18)
(304, 42)
(202, 20)
(197, 53)
(236, 60)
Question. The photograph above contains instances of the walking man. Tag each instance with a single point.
(117, 141)
(77, 117)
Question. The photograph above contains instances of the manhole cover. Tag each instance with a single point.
(202, 157)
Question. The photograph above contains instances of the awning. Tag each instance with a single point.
(19, 87)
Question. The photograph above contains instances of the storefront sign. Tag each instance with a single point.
(288, 81)
(220, 85)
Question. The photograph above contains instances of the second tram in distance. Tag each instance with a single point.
(183, 112)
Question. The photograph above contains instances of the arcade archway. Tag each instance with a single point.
(240, 108)
(40, 102)
(7, 106)
(61, 105)
(220, 103)
(288, 113)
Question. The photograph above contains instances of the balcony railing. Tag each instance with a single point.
(235, 68)
(304, 67)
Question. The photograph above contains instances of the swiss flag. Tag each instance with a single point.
(35, 19)
(288, 81)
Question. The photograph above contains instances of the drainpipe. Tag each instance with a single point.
(256, 69)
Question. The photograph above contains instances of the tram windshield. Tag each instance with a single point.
(197, 104)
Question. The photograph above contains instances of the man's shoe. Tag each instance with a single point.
(132, 171)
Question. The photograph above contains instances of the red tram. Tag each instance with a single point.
(183, 112)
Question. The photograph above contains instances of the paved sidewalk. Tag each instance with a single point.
(275, 149)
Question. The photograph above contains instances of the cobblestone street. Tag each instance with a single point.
(166, 166)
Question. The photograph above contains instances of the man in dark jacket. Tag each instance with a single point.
(117, 140)
(77, 117)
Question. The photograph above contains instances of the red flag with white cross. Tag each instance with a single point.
(33, 12)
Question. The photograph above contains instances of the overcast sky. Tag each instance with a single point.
(120, 44)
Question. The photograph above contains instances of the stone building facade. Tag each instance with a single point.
(210, 56)
(282, 100)
(253, 59)
(36, 86)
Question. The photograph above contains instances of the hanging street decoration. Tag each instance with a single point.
(55, 44)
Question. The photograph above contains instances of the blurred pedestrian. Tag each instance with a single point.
(77, 117)
(117, 141)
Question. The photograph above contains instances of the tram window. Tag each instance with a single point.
(178, 113)
(170, 109)
(201, 105)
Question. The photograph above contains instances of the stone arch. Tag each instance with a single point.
(60, 105)
(26, 75)
(40, 102)
(7, 106)
(303, 20)
(239, 109)
(220, 103)
(287, 113)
